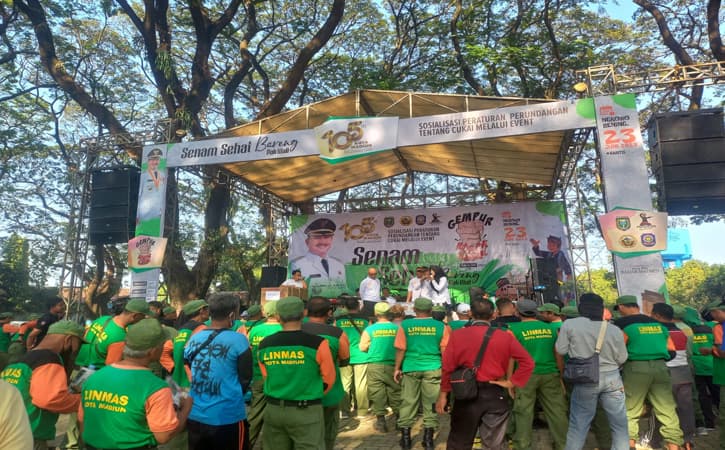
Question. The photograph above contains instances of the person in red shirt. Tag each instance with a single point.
(490, 411)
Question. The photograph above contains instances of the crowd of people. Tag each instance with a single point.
(283, 375)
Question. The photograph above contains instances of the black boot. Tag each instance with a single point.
(428, 438)
(405, 441)
(380, 425)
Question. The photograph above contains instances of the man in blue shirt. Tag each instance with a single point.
(218, 418)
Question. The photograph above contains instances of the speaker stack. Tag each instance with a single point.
(688, 160)
(114, 197)
(272, 276)
(545, 279)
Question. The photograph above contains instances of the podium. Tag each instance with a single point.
(272, 294)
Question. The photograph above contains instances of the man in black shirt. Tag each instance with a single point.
(506, 313)
(56, 311)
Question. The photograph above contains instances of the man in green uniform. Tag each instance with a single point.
(5, 319)
(194, 313)
(126, 406)
(645, 375)
(708, 393)
(717, 311)
(378, 340)
(419, 344)
(298, 371)
(254, 316)
(550, 313)
(256, 333)
(319, 310)
(539, 339)
(464, 316)
(104, 345)
(42, 379)
(354, 376)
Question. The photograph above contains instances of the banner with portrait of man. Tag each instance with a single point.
(476, 245)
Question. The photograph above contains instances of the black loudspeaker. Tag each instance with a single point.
(114, 197)
(545, 279)
(688, 160)
(272, 276)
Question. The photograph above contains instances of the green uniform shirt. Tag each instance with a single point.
(538, 338)
(114, 407)
(4, 341)
(332, 334)
(718, 364)
(290, 360)
(353, 335)
(102, 333)
(382, 343)
(457, 324)
(702, 338)
(646, 338)
(179, 374)
(256, 335)
(42, 422)
(423, 344)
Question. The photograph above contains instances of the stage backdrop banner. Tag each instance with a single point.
(344, 138)
(145, 253)
(477, 245)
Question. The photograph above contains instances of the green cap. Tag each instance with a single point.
(193, 307)
(253, 310)
(138, 305)
(67, 327)
(549, 307)
(692, 317)
(381, 308)
(626, 300)
(339, 312)
(270, 308)
(169, 310)
(145, 335)
(570, 311)
(290, 307)
(423, 304)
(438, 308)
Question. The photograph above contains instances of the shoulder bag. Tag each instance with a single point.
(463, 380)
(586, 370)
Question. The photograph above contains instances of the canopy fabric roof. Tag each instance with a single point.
(530, 159)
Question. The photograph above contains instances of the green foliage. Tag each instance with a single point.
(604, 284)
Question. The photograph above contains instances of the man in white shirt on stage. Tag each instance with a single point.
(370, 292)
(419, 285)
(296, 280)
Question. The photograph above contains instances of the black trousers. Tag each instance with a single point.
(234, 436)
(488, 414)
(709, 396)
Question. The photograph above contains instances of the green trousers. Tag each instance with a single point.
(383, 391)
(416, 387)
(292, 428)
(650, 380)
(331, 415)
(547, 388)
(355, 384)
(256, 411)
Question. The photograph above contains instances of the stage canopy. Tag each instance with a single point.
(530, 159)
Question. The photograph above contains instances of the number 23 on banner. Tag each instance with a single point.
(514, 233)
(624, 137)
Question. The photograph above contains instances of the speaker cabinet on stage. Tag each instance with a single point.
(545, 279)
(272, 276)
(114, 197)
(688, 160)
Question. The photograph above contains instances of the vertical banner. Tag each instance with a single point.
(626, 185)
(150, 214)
